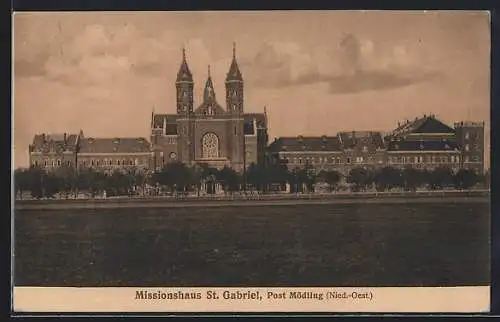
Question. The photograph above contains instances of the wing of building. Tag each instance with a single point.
(50, 151)
(424, 143)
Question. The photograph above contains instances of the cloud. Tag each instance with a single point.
(376, 81)
(279, 65)
(97, 54)
(356, 65)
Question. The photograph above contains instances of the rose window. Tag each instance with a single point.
(210, 145)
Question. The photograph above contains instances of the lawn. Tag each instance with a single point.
(384, 244)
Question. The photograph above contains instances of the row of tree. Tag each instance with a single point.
(177, 177)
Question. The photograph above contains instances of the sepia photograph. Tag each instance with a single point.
(333, 161)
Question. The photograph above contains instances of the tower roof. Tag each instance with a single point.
(209, 92)
(184, 74)
(234, 73)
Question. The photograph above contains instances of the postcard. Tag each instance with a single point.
(251, 161)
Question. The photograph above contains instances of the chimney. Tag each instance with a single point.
(43, 137)
(399, 124)
(65, 136)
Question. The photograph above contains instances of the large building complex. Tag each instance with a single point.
(208, 133)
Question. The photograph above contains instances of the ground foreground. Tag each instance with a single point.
(334, 244)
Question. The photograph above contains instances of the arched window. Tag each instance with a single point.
(210, 146)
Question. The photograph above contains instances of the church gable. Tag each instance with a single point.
(210, 109)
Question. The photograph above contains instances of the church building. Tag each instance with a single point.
(209, 133)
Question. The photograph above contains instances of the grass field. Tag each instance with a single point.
(384, 244)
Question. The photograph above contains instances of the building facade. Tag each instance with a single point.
(50, 152)
(425, 143)
(110, 154)
(209, 133)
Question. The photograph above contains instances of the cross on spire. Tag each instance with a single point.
(184, 73)
(234, 73)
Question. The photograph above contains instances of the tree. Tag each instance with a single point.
(229, 179)
(301, 177)
(441, 177)
(388, 178)
(118, 183)
(332, 177)
(465, 179)
(21, 181)
(258, 177)
(412, 178)
(51, 184)
(34, 181)
(92, 181)
(67, 178)
(361, 178)
(176, 175)
(138, 179)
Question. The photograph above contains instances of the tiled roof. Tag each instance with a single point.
(54, 142)
(317, 143)
(370, 139)
(426, 124)
(424, 145)
(114, 145)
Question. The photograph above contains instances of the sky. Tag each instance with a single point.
(316, 72)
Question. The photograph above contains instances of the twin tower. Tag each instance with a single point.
(185, 87)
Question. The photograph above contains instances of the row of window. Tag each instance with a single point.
(52, 163)
(117, 162)
(427, 159)
(92, 162)
(332, 160)
(432, 159)
(392, 160)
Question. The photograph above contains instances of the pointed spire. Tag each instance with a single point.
(184, 74)
(209, 92)
(234, 73)
(152, 116)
